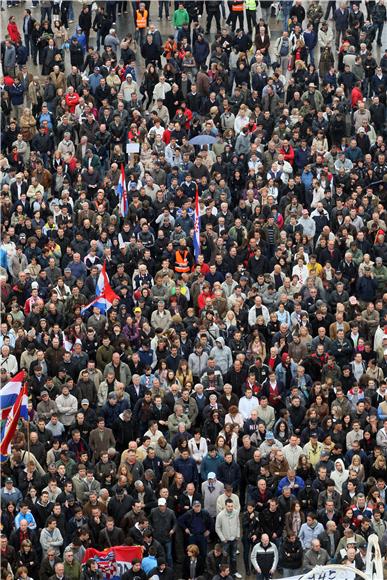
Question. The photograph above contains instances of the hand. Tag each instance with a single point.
(206, 533)
(187, 531)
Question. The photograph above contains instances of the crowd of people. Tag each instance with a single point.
(233, 395)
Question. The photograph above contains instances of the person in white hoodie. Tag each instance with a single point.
(222, 355)
(339, 475)
(227, 527)
(50, 537)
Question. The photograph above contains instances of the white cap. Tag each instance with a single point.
(162, 501)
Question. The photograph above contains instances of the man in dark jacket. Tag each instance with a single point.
(163, 522)
(229, 472)
(111, 535)
(197, 525)
(291, 554)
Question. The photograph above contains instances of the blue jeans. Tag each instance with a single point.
(230, 549)
(168, 552)
(311, 55)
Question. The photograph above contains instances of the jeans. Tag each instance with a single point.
(251, 16)
(288, 572)
(168, 552)
(164, 3)
(246, 543)
(45, 14)
(379, 28)
(331, 6)
(210, 16)
(27, 43)
(311, 56)
(233, 19)
(230, 549)
(71, 11)
(285, 15)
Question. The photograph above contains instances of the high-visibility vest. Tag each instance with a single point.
(141, 19)
(181, 261)
(251, 5)
(237, 6)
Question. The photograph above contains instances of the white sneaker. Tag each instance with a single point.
(237, 575)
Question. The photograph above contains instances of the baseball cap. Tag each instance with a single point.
(161, 501)
(196, 502)
(85, 402)
(211, 475)
(269, 435)
(35, 286)
(9, 480)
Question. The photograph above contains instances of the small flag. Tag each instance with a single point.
(196, 240)
(122, 193)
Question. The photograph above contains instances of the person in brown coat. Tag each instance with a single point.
(101, 439)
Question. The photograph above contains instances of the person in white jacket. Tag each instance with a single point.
(67, 406)
(50, 537)
(198, 447)
(227, 527)
(8, 361)
(247, 404)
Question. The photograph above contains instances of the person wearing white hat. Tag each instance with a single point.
(211, 490)
(163, 522)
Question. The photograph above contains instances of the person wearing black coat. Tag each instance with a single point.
(47, 566)
(76, 53)
(111, 535)
(84, 22)
(193, 562)
(124, 430)
(229, 472)
(119, 505)
(291, 555)
(48, 58)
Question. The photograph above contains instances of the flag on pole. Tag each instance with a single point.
(19, 409)
(9, 393)
(104, 293)
(122, 193)
(196, 240)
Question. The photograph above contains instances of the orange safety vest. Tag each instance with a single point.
(237, 6)
(181, 259)
(141, 19)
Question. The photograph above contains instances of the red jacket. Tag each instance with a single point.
(356, 96)
(13, 32)
(288, 155)
(72, 101)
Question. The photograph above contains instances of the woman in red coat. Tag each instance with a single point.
(13, 30)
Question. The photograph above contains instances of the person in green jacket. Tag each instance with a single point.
(72, 566)
(180, 16)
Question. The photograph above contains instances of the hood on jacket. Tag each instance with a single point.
(220, 341)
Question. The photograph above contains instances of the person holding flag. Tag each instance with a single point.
(196, 240)
(105, 295)
(122, 194)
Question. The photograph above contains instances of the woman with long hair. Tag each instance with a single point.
(294, 519)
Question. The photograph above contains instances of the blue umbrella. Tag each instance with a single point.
(203, 140)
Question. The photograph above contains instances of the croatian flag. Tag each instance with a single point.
(115, 561)
(19, 409)
(104, 293)
(196, 240)
(122, 193)
(9, 393)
